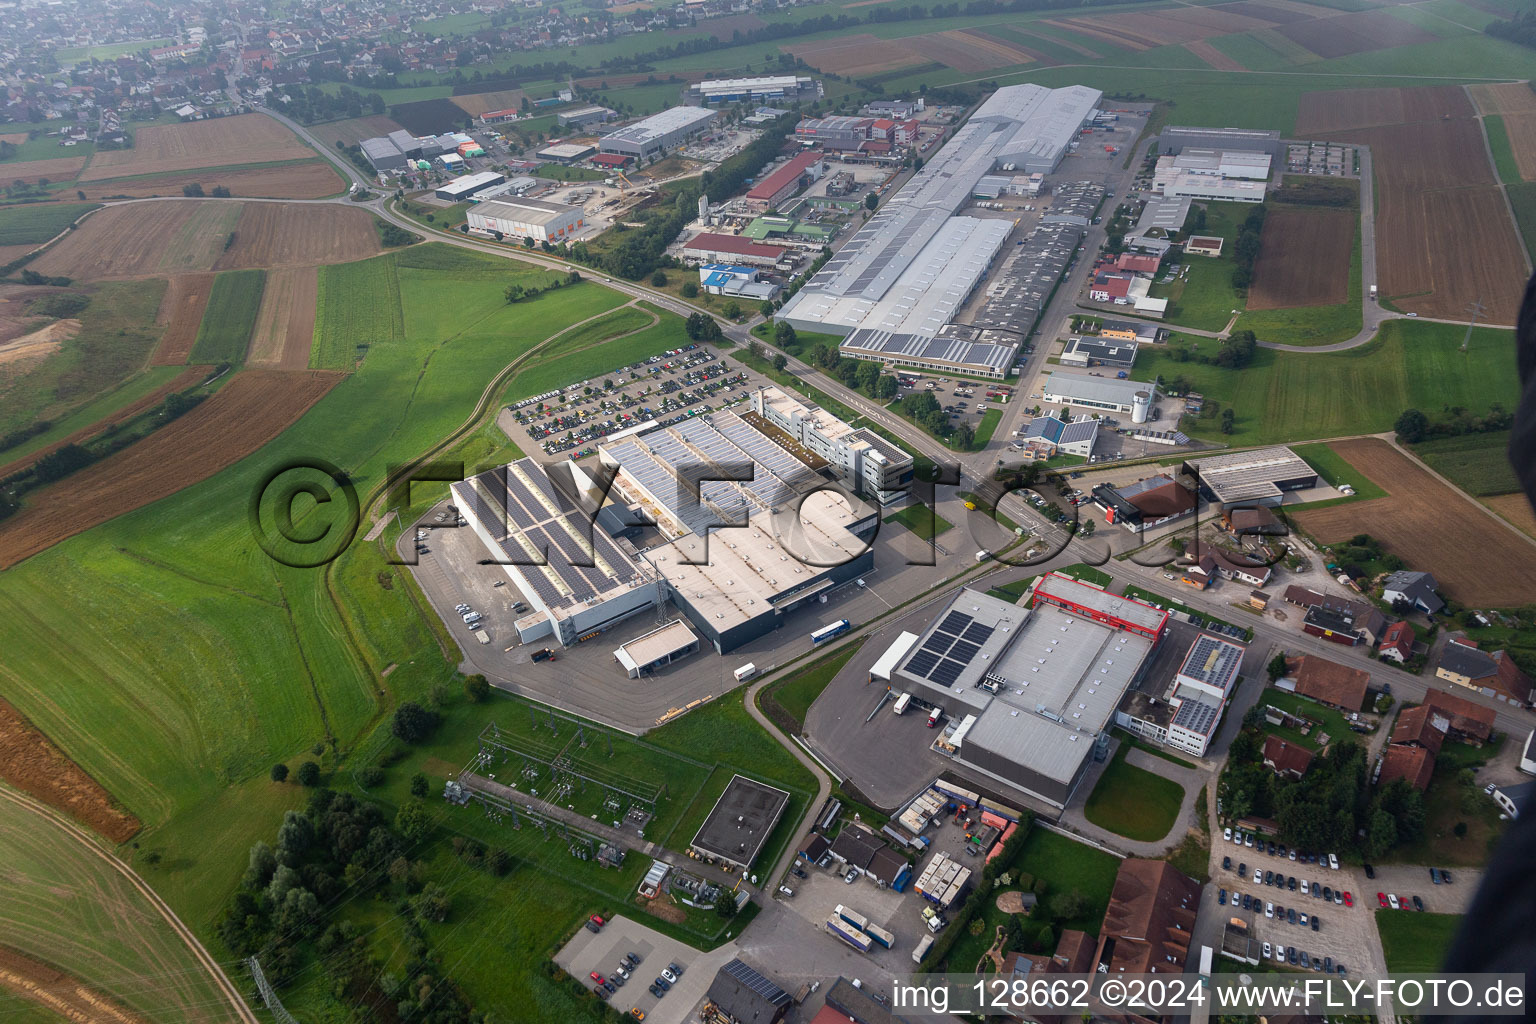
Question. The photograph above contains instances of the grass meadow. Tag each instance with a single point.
(34, 224)
(1477, 463)
(1133, 802)
(1415, 942)
(227, 323)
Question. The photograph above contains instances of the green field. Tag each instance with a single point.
(1205, 298)
(107, 51)
(1293, 396)
(1312, 325)
(799, 691)
(988, 426)
(1415, 942)
(233, 302)
(1522, 199)
(1332, 467)
(1503, 155)
(64, 905)
(921, 520)
(1133, 802)
(1477, 463)
(37, 222)
(345, 330)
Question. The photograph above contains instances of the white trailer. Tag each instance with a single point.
(901, 703)
(746, 672)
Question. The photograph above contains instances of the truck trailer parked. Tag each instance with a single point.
(848, 933)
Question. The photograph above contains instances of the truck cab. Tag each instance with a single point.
(934, 717)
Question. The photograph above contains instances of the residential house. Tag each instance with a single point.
(1422, 726)
(1258, 521)
(1285, 758)
(1415, 765)
(1074, 955)
(1327, 682)
(1470, 722)
(1494, 673)
(1150, 922)
(1231, 565)
(1415, 588)
(1397, 642)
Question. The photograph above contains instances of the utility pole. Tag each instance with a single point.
(1476, 309)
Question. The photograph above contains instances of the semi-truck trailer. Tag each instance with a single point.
(848, 933)
(901, 703)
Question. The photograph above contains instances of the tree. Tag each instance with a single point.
(476, 688)
(1382, 834)
(755, 349)
(513, 292)
(765, 308)
(220, 192)
(412, 821)
(413, 723)
(965, 437)
(725, 905)
(309, 774)
(1411, 426)
(885, 387)
(871, 200)
(732, 310)
(1065, 906)
(279, 772)
(1228, 421)
(370, 776)
(658, 279)
(780, 361)
(690, 290)
(784, 334)
(432, 903)
(193, 189)
(260, 867)
(1276, 666)
(419, 785)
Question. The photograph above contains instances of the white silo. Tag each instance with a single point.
(1141, 404)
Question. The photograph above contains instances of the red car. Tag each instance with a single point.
(595, 919)
(1381, 898)
(1349, 900)
(596, 977)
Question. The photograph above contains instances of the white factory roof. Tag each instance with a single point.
(887, 662)
(658, 125)
(566, 150)
(525, 211)
(1240, 476)
(740, 84)
(655, 645)
(1060, 386)
(470, 181)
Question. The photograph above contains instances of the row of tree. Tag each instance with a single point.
(1245, 250)
(1414, 425)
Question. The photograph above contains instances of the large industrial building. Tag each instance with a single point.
(784, 182)
(1108, 393)
(1258, 477)
(1031, 692)
(737, 90)
(526, 218)
(461, 188)
(868, 462)
(383, 154)
(658, 133)
(1176, 139)
(895, 285)
(1187, 715)
(1229, 175)
(583, 116)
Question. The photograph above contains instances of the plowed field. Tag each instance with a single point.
(30, 762)
(61, 169)
(478, 103)
(1354, 33)
(308, 179)
(854, 55)
(1273, 12)
(1516, 508)
(1084, 27)
(1303, 259)
(276, 234)
(119, 241)
(1478, 560)
(354, 130)
(245, 414)
(965, 51)
(181, 311)
(1516, 103)
(285, 325)
(219, 142)
(1341, 110)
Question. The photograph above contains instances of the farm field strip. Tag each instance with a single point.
(302, 179)
(230, 317)
(285, 326)
(55, 170)
(860, 54)
(1212, 56)
(1349, 34)
(222, 141)
(1477, 560)
(353, 130)
(1304, 258)
(119, 241)
(1515, 102)
(283, 234)
(181, 311)
(478, 103)
(201, 238)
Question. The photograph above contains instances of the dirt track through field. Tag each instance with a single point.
(181, 311)
(58, 992)
(285, 324)
(1431, 526)
(30, 762)
(1303, 259)
(217, 142)
(183, 380)
(245, 414)
(280, 234)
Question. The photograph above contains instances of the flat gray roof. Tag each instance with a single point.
(1240, 476)
(659, 125)
(741, 821)
(1088, 388)
(529, 211)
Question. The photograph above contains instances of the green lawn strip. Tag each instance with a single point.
(1498, 143)
(1330, 722)
(1200, 618)
(345, 329)
(1193, 856)
(1335, 469)
(1131, 739)
(1297, 396)
(1133, 802)
(921, 520)
(797, 692)
(1477, 463)
(1205, 299)
(230, 317)
(35, 223)
(106, 51)
(1452, 801)
(1415, 942)
(989, 421)
(1522, 199)
(1088, 574)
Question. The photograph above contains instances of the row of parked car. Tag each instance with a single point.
(1269, 846)
(1289, 915)
(605, 987)
(1280, 880)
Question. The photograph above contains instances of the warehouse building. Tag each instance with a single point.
(1177, 139)
(1108, 393)
(1189, 185)
(869, 463)
(711, 247)
(1146, 504)
(1187, 714)
(657, 649)
(1095, 351)
(383, 154)
(786, 88)
(739, 824)
(786, 181)
(658, 133)
(1054, 436)
(894, 286)
(526, 218)
(583, 116)
(1031, 692)
(838, 133)
(1249, 165)
(1258, 477)
(468, 185)
(566, 152)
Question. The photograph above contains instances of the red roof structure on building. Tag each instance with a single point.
(769, 188)
(713, 242)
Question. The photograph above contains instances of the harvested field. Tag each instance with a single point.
(30, 762)
(354, 130)
(1517, 509)
(1274, 13)
(285, 325)
(1355, 33)
(12, 252)
(1473, 255)
(970, 50)
(14, 138)
(1347, 109)
(239, 419)
(723, 28)
(1304, 259)
(181, 311)
(61, 169)
(623, 81)
(1477, 560)
(1146, 29)
(1212, 56)
(1516, 103)
(1044, 40)
(855, 55)
(307, 179)
(35, 345)
(1083, 28)
(219, 142)
(1215, 21)
(183, 380)
(478, 103)
(427, 117)
(59, 993)
(200, 241)
(276, 234)
(119, 241)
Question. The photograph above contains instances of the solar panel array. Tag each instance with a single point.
(949, 649)
(1196, 716)
(749, 979)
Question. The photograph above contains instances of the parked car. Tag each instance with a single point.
(1221, 898)
(1226, 863)
(1434, 875)
(1316, 922)
(1370, 872)
(1418, 904)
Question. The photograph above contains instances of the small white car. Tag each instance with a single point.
(1268, 951)
(1269, 910)
(1304, 890)
(671, 978)
(1392, 900)
(1333, 862)
(1258, 877)
(1226, 834)
(1248, 840)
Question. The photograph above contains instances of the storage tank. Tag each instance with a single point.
(1141, 404)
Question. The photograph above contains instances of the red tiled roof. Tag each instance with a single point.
(1170, 499)
(610, 160)
(1421, 726)
(1467, 717)
(1328, 681)
(1150, 917)
(1286, 758)
(1414, 764)
(713, 242)
(782, 178)
(1398, 637)
(1113, 286)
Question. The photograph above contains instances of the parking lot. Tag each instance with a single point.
(604, 950)
(966, 401)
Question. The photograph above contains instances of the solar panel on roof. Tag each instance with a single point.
(922, 662)
(946, 672)
(955, 622)
(938, 643)
(964, 650)
(978, 632)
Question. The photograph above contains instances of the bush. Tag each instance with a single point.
(419, 785)
(279, 772)
(476, 689)
(309, 774)
(59, 306)
(658, 280)
(690, 290)
(370, 776)
(413, 723)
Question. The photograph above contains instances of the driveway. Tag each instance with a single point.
(601, 952)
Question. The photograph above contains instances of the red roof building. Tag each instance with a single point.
(1101, 606)
(1469, 720)
(1328, 682)
(711, 247)
(1422, 726)
(1108, 287)
(1285, 758)
(1137, 263)
(1150, 921)
(610, 160)
(1397, 642)
(784, 182)
(1414, 764)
